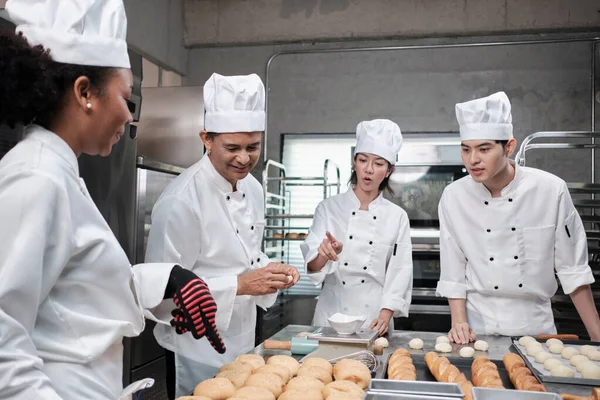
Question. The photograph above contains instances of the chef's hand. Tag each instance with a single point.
(382, 322)
(196, 308)
(461, 333)
(267, 280)
(330, 247)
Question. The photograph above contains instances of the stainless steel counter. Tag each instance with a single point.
(498, 347)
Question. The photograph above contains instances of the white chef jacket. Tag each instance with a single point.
(374, 269)
(200, 223)
(68, 294)
(501, 253)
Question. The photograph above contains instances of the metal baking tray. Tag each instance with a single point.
(414, 387)
(327, 334)
(402, 396)
(503, 394)
(556, 379)
(463, 365)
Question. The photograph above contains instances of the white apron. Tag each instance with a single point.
(201, 224)
(374, 270)
(501, 253)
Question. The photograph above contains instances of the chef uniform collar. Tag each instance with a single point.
(223, 184)
(55, 143)
(234, 104)
(508, 190)
(80, 32)
(487, 118)
(381, 137)
(356, 202)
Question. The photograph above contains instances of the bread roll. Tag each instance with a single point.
(311, 394)
(442, 339)
(238, 378)
(287, 361)
(216, 389)
(552, 341)
(271, 382)
(577, 359)
(485, 373)
(236, 367)
(353, 371)
(481, 345)
(444, 371)
(316, 372)
(556, 348)
(526, 339)
(586, 349)
(318, 362)
(278, 370)
(255, 361)
(594, 355)
(520, 375)
(534, 350)
(551, 363)
(582, 365)
(401, 367)
(343, 396)
(443, 347)
(345, 387)
(383, 342)
(590, 371)
(304, 383)
(416, 344)
(542, 356)
(562, 371)
(467, 352)
(254, 393)
(569, 352)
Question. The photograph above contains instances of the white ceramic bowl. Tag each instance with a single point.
(346, 324)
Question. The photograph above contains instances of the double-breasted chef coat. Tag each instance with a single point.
(501, 253)
(199, 222)
(374, 269)
(68, 294)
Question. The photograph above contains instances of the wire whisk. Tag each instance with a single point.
(366, 357)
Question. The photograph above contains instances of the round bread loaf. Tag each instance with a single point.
(271, 382)
(216, 389)
(481, 345)
(255, 361)
(416, 344)
(343, 396)
(316, 372)
(254, 393)
(344, 387)
(358, 374)
(318, 362)
(238, 378)
(236, 367)
(311, 394)
(280, 370)
(552, 341)
(304, 383)
(287, 361)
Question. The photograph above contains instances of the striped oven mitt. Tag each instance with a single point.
(196, 308)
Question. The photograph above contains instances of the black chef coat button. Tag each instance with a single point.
(488, 230)
(374, 217)
(350, 237)
(496, 287)
(513, 229)
(237, 231)
(228, 197)
(491, 258)
(520, 285)
(365, 268)
(346, 264)
(370, 242)
(353, 213)
(516, 257)
(252, 227)
(343, 283)
(486, 203)
(243, 195)
(363, 281)
(510, 200)
(252, 262)
(258, 260)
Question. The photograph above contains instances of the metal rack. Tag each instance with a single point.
(587, 202)
(278, 202)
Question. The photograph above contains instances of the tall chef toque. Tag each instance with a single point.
(381, 137)
(488, 118)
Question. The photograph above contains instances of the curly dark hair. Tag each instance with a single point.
(33, 85)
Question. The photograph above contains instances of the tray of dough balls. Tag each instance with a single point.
(575, 362)
(282, 377)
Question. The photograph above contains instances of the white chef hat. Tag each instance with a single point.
(234, 104)
(488, 118)
(83, 32)
(379, 136)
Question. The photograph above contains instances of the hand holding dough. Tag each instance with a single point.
(481, 345)
(443, 347)
(562, 371)
(467, 352)
(442, 339)
(569, 352)
(416, 344)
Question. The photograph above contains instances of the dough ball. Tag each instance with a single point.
(237, 377)
(237, 367)
(569, 352)
(577, 359)
(273, 383)
(416, 344)
(526, 339)
(255, 361)
(287, 361)
(304, 383)
(543, 356)
(467, 352)
(562, 371)
(481, 345)
(550, 342)
(311, 394)
(356, 372)
(343, 387)
(594, 355)
(216, 389)
(586, 349)
(552, 363)
(318, 362)
(533, 350)
(556, 348)
(316, 372)
(529, 345)
(582, 365)
(442, 339)
(590, 371)
(276, 369)
(383, 342)
(254, 393)
(443, 348)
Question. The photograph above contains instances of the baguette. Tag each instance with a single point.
(594, 396)
(401, 367)
(484, 373)
(520, 375)
(443, 371)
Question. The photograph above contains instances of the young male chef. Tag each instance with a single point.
(210, 219)
(504, 232)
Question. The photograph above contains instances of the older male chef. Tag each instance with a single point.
(504, 231)
(210, 219)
